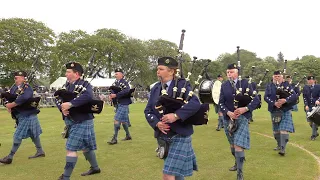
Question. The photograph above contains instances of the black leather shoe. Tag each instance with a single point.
(239, 176)
(38, 154)
(61, 177)
(282, 152)
(313, 138)
(91, 171)
(233, 168)
(127, 138)
(218, 129)
(6, 160)
(276, 148)
(113, 141)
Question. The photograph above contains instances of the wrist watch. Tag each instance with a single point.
(175, 115)
(247, 108)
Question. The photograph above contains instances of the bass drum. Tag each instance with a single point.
(314, 115)
(205, 91)
(216, 91)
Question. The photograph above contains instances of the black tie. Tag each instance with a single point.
(233, 84)
(165, 88)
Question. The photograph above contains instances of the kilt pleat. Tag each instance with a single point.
(29, 126)
(241, 137)
(286, 123)
(122, 113)
(81, 136)
(181, 159)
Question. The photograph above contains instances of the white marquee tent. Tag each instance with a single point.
(97, 82)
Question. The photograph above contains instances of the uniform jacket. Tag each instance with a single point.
(271, 98)
(153, 117)
(22, 98)
(84, 98)
(227, 95)
(125, 90)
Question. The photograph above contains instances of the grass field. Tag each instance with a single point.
(136, 159)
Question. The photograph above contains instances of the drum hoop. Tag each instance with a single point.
(314, 111)
(216, 87)
(200, 86)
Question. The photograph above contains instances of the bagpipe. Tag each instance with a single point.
(63, 95)
(283, 92)
(169, 104)
(255, 88)
(118, 88)
(31, 103)
(121, 87)
(241, 99)
(298, 85)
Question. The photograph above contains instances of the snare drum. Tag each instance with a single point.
(314, 115)
(205, 91)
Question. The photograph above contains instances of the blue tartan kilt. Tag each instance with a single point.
(81, 136)
(295, 108)
(181, 159)
(29, 126)
(241, 137)
(286, 123)
(122, 113)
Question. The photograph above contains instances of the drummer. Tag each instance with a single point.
(217, 107)
(311, 93)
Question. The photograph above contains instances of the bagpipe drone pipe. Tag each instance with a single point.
(169, 104)
(63, 95)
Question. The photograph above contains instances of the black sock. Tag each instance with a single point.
(116, 130)
(91, 157)
(233, 153)
(37, 143)
(15, 146)
(126, 128)
(277, 137)
(179, 178)
(314, 129)
(240, 160)
(70, 164)
(284, 138)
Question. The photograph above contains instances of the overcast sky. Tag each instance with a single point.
(265, 27)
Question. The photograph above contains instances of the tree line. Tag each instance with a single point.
(26, 44)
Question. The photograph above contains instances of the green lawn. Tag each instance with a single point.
(136, 159)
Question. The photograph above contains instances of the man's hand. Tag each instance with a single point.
(240, 111)
(282, 101)
(278, 104)
(65, 112)
(11, 105)
(65, 106)
(169, 118)
(307, 108)
(317, 102)
(163, 127)
(112, 96)
(232, 115)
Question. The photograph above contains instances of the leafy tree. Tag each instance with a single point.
(22, 42)
(280, 57)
